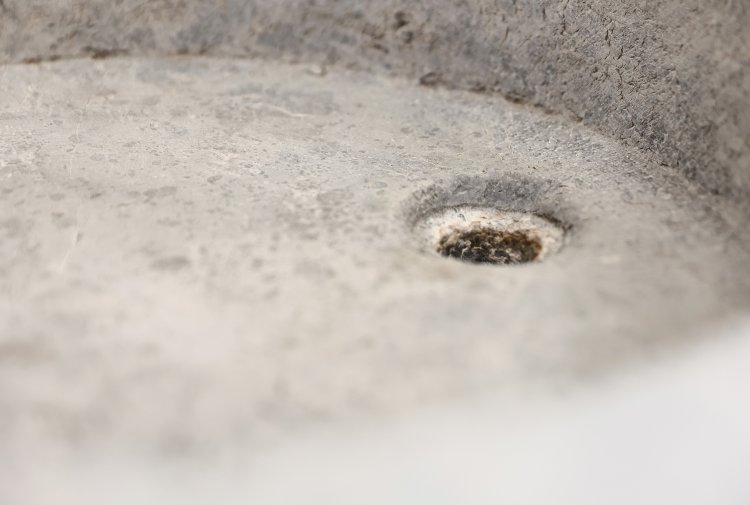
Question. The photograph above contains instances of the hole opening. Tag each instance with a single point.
(490, 236)
(488, 245)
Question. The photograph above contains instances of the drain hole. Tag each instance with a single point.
(487, 245)
(488, 235)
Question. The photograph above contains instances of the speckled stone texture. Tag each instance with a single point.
(210, 249)
(198, 251)
(670, 77)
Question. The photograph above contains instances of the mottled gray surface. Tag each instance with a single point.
(203, 261)
(668, 76)
(204, 251)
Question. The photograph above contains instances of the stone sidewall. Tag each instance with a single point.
(671, 77)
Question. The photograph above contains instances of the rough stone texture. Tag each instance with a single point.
(198, 252)
(201, 258)
(670, 77)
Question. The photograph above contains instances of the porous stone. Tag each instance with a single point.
(201, 251)
(667, 76)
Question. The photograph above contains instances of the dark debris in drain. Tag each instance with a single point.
(488, 245)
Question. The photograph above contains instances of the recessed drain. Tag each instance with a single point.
(488, 235)
(487, 245)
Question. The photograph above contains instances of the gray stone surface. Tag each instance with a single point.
(216, 282)
(203, 252)
(668, 76)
